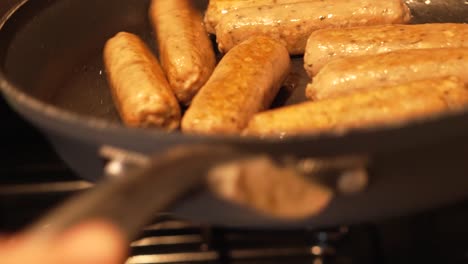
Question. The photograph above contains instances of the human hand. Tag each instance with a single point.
(94, 242)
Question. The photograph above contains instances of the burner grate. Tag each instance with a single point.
(173, 241)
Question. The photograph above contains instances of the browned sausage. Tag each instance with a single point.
(389, 105)
(328, 44)
(245, 82)
(346, 75)
(292, 24)
(218, 8)
(139, 88)
(185, 49)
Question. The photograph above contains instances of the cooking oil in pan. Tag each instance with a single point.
(87, 92)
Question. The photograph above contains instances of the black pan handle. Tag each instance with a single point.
(132, 201)
(137, 188)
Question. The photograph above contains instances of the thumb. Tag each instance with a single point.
(95, 242)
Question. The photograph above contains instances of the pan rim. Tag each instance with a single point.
(91, 123)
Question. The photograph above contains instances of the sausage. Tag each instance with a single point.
(327, 44)
(139, 88)
(218, 8)
(185, 50)
(292, 24)
(245, 82)
(346, 75)
(391, 105)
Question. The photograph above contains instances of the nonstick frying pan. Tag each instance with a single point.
(52, 74)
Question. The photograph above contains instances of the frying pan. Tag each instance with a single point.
(52, 74)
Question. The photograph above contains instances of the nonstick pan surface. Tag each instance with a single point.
(52, 73)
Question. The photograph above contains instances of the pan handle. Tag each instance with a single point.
(132, 201)
(347, 174)
(141, 187)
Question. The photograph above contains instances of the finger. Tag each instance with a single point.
(90, 243)
(20, 249)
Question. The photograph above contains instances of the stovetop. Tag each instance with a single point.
(34, 179)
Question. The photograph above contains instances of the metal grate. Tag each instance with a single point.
(170, 240)
(173, 241)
